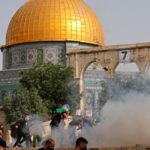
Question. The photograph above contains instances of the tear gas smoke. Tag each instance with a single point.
(124, 123)
(125, 116)
(38, 127)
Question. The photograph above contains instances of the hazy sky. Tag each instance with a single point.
(124, 21)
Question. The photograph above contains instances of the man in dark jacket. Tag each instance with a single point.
(23, 132)
(56, 120)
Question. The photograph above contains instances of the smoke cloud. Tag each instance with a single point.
(123, 123)
(125, 117)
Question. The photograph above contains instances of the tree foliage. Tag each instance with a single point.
(23, 102)
(44, 87)
(54, 83)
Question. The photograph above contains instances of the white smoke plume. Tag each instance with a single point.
(124, 123)
(125, 118)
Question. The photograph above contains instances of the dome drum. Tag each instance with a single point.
(24, 55)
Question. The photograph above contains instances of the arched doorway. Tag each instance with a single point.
(127, 68)
(126, 79)
(93, 78)
(126, 72)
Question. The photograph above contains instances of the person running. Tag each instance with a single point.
(23, 132)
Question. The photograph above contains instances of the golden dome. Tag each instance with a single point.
(55, 20)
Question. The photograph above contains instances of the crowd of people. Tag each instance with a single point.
(20, 131)
(49, 144)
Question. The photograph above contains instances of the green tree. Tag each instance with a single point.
(23, 102)
(54, 83)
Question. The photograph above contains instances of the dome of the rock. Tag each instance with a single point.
(55, 20)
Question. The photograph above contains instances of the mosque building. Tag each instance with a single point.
(43, 31)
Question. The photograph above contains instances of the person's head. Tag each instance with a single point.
(81, 143)
(49, 144)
